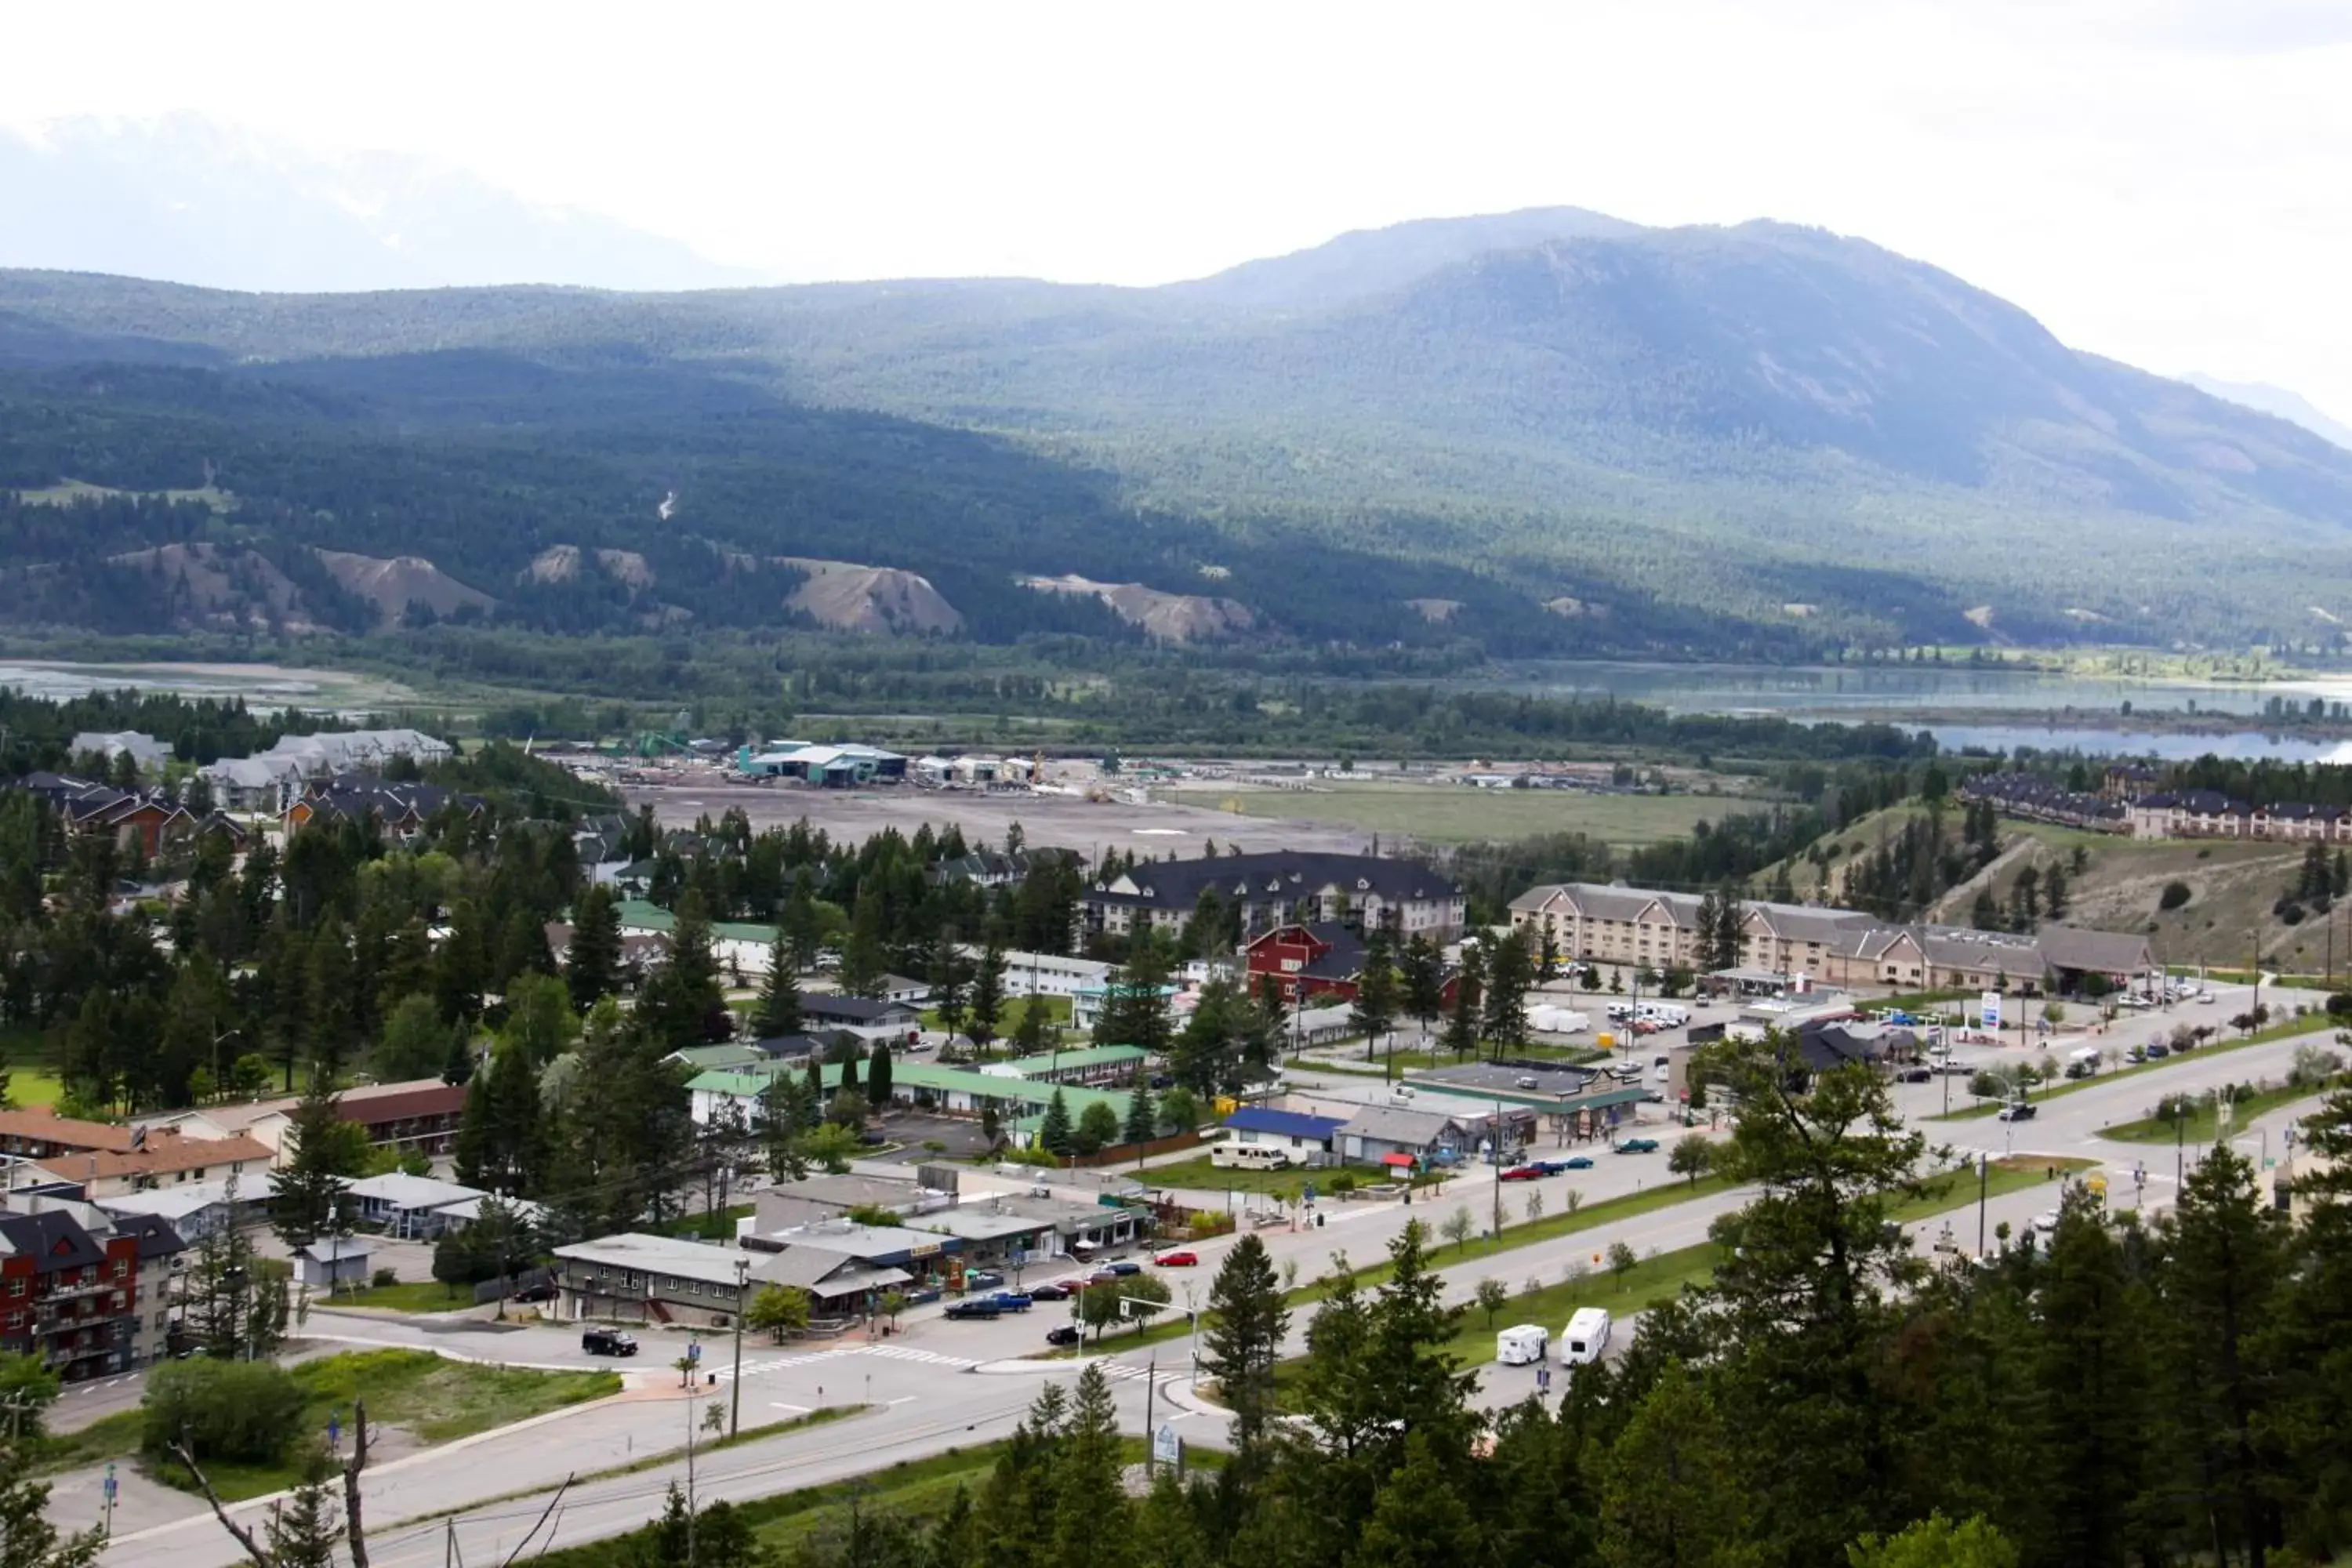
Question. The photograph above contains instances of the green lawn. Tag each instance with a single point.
(438, 1401)
(2311, 1024)
(1650, 1281)
(1199, 1175)
(409, 1295)
(1458, 814)
(34, 1089)
(1008, 1015)
(719, 1225)
(2202, 1127)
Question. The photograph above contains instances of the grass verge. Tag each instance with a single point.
(1200, 1175)
(2202, 1127)
(438, 1401)
(2309, 1024)
(409, 1295)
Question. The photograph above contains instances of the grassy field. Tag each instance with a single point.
(1650, 1281)
(1456, 814)
(1200, 1176)
(2314, 1023)
(34, 1089)
(2202, 1127)
(409, 1295)
(1009, 1016)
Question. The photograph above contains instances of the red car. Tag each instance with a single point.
(1177, 1260)
(1524, 1174)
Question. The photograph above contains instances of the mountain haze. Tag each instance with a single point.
(1754, 439)
(2278, 402)
(186, 199)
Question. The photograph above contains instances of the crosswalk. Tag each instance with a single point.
(764, 1364)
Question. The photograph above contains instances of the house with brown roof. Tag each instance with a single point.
(160, 1157)
(415, 1113)
(46, 1135)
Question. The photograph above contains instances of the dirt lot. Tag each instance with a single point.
(1061, 820)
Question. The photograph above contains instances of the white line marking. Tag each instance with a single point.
(904, 1399)
(780, 1405)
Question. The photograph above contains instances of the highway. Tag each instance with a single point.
(938, 1384)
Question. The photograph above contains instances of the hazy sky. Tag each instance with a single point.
(2166, 181)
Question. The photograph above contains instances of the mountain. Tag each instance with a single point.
(2278, 402)
(184, 198)
(1752, 441)
(1367, 262)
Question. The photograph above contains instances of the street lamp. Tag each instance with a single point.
(1984, 1185)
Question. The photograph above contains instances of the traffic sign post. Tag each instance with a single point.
(111, 1488)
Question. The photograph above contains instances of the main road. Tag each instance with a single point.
(938, 1384)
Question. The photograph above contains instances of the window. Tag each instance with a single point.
(121, 1268)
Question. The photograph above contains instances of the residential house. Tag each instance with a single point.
(744, 951)
(412, 1209)
(401, 810)
(1311, 1139)
(993, 868)
(869, 1018)
(640, 1278)
(263, 783)
(1045, 974)
(148, 818)
(148, 754)
(421, 1114)
(158, 1157)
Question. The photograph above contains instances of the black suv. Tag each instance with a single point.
(607, 1342)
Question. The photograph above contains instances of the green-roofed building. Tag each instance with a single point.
(743, 948)
(1020, 1101)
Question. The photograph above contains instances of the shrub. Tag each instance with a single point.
(248, 1411)
(383, 1278)
(1344, 1181)
(2175, 894)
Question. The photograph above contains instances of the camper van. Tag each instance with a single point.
(2083, 1062)
(1665, 1015)
(1522, 1346)
(1231, 1156)
(1586, 1337)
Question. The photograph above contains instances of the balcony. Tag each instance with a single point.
(98, 1287)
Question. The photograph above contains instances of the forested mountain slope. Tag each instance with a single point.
(1705, 439)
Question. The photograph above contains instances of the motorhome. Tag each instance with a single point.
(1586, 1337)
(1231, 1156)
(1665, 1015)
(1522, 1346)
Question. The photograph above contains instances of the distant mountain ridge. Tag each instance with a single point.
(2278, 401)
(186, 199)
(1760, 437)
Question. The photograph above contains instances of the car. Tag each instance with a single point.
(2017, 1111)
(2137, 1054)
(1063, 1334)
(982, 1279)
(607, 1342)
(1180, 1258)
(1647, 1025)
(2157, 1051)
(1162, 1080)
(1624, 1072)
(1914, 1074)
(2205, 996)
(1122, 1269)
(921, 1295)
(1575, 1163)
(1638, 1146)
(2131, 999)
(1013, 1300)
(978, 1307)
(1100, 1277)
(1059, 1291)
(2046, 1221)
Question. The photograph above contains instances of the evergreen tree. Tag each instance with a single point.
(2090, 1341)
(780, 1000)
(1142, 1121)
(863, 960)
(1508, 972)
(877, 1076)
(593, 960)
(27, 1539)
(947, 975)
(682, 1005)
(1056, 1135)
(302, 1530)
(1092, 1515)
(1420, 971)
(1373, 1012)
(1670, 1492)
(1462, 1028)
(987, 991)
(1242, 1339)
(308, 1200)
(1204, 1056)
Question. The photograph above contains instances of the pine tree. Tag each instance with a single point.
(1507, 975)
(947, 977)
(1141, 1122)
(678, 1005)
(987, 992)
(2090, 1346)
(1422, 974)
(1034, 1035)
(1056, 1135)
(1462, 1028)
(877, 1076)
(302, 1530)
(1373, 1012)
(780, 1000)
(308, 1199)
(1092, 1514)
(863, 961)
(27, 1539)
(1242, 1339)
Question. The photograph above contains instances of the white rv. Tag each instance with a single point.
(1586, 1337)
(1522, 1346)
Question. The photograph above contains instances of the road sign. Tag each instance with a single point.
(1988, 1011)
(693, 1351)
(1165, 1444)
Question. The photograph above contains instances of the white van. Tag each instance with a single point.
(1586, 1337)
(1665, 1015)
(1522, 1346)
(1234, 1156)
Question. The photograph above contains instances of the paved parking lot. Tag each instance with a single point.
(912, 1129)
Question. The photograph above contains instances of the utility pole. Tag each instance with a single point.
(1150, 1403)
(735, 1395)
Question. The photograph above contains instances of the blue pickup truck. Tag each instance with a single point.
(1010, 1300)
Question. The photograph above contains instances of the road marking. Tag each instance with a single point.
(904, 1399)
(780, 1405)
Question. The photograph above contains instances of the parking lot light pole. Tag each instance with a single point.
(1984, 1184)
(735, 1395)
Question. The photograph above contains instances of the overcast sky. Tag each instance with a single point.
(2166, 181)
